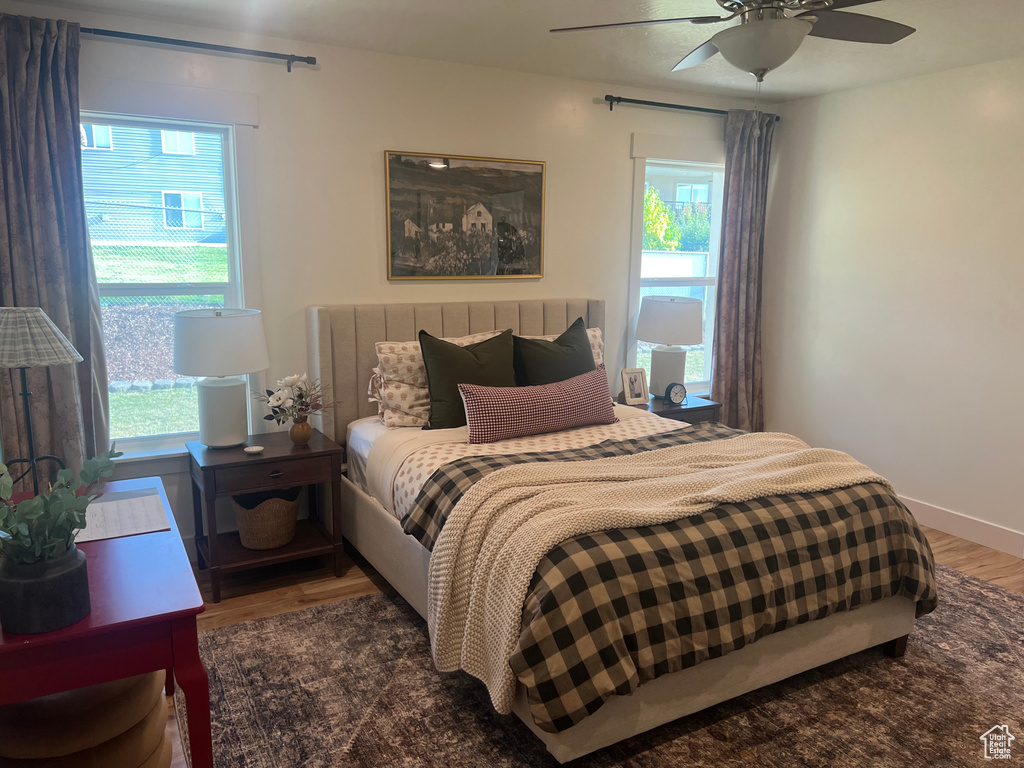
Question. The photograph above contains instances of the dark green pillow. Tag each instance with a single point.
(487, 363)
(538, 361)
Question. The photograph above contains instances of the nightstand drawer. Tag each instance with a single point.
(694, 415)
(281, 474)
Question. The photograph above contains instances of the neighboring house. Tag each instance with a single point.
(413, 230)
(477, 219)
(153, 186)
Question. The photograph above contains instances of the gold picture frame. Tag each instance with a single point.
(458, 217)
(634, 386)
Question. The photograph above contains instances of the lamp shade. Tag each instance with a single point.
(671, 320)
(28, 338)
(219, 342)
(760, 46)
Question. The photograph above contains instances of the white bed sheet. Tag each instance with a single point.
(359, 439)
(392, 465)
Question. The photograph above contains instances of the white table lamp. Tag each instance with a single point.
(221, 344)
(669, 321)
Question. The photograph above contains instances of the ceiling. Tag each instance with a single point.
(512, 34)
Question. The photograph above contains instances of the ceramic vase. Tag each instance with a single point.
(42, 597)
(300, 432)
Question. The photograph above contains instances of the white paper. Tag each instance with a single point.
(124, 514)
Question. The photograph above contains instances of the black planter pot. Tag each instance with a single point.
(42, 597)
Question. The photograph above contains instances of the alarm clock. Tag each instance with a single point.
(676, 393)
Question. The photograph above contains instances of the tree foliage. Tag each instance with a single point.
(687, 230)
(696, 229)
(661, 230)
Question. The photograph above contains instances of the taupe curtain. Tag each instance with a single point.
(736, 378)
(44, 246)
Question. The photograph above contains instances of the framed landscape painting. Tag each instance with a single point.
(455, 217)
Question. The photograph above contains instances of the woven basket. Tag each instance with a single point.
(267, 520)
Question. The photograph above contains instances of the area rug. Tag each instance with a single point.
(352, 684)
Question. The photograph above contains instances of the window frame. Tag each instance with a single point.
(183, 209)
(716, 166)
(110, 136)
(705, 186)
(163, 142)
(232, 290)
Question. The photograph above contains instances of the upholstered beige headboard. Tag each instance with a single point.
(341, 339)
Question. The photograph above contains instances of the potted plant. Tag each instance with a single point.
(44, 583)
(297, 398)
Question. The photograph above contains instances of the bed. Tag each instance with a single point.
(342, 354)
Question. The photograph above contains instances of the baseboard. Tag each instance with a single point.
(979, 531)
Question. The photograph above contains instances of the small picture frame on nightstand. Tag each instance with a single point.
(634, 386)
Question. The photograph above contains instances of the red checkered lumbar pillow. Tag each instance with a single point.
(501, 413)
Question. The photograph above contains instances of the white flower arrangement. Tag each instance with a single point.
(296, 399)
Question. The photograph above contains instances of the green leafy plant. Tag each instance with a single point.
(695, 233)
(661, 228)
(45, 526)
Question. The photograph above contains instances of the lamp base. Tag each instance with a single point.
(668, 366)
(223, 419)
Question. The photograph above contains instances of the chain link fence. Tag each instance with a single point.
(139, 262)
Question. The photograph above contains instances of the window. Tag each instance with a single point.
(95, 136)
(158, 251)
(183, 210)
(692, 193)
(178, 142)
(682, 230)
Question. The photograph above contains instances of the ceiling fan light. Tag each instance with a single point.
(760, 46)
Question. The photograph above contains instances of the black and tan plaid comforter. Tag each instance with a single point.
(644, 602)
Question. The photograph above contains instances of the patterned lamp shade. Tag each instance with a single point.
(28, 338)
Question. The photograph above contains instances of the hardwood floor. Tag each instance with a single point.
(293, 586)
(989, 564)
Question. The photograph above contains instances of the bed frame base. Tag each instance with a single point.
(895, 649)
(404, 562)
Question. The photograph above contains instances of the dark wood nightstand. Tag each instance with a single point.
(218, 472)
(694, 409)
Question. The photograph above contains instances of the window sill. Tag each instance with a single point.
(154, 448)
(150, 454)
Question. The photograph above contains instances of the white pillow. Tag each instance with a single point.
(399, 382)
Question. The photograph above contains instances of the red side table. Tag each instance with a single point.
(144, 606)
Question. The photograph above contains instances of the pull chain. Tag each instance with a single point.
(757, 113)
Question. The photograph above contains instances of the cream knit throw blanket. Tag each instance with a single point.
(494, 539)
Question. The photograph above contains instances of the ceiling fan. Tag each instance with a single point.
(771, 31)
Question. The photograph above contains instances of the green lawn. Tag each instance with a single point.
(161, 264)
(159, 412)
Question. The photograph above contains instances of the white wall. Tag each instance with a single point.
(894, 266)
(318, 172)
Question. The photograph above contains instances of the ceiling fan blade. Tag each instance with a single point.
(838, 5)
(857, 28)
(697, 56)
(646, 23)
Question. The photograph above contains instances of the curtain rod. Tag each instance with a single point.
(290, 58)
(613, 100)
